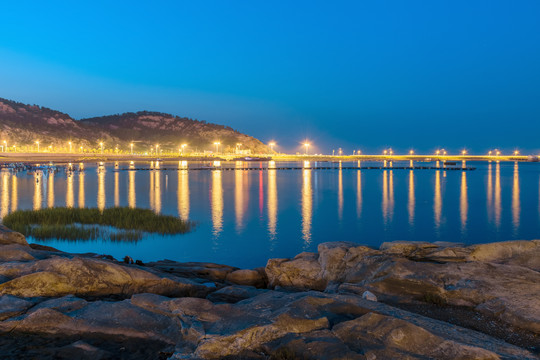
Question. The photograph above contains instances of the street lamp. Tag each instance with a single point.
(101, 145)
(5, 145)
(464, 152)
(411, 152)
(516, 152)
(385, 152)
(131, 147)
(307, 147)
(69, 146)
(182, 147)
(272, 144)
(37, 142)
(217, 143)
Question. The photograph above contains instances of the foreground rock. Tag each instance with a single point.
(344, 302)
(500, 279)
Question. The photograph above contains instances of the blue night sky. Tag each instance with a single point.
(351, 74)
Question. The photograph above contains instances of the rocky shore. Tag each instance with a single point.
(403, 301)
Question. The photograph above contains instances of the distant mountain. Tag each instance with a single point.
(22, 125)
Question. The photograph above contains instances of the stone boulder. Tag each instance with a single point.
(8, 237)
(217, 347)
(98, 319)
(303, 272)
(508, 293)
(384, 337)
(15, 252)
(59, 276)
(426, 251)
(334, 262)
(12, 306)
(246, 277)
(520, 253)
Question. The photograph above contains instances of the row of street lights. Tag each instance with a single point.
(217, 144)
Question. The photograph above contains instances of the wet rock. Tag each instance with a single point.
(234, 294)
(246, 277)
(8, 236)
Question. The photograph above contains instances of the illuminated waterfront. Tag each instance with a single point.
(247, 216)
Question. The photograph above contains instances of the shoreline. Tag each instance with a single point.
(86, 158)
(346, 301)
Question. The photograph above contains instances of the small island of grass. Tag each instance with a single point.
(116, 224)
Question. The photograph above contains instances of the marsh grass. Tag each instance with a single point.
(84, 223)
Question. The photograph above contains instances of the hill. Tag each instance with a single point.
(23, 125)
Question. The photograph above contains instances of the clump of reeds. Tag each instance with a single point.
(69, 223)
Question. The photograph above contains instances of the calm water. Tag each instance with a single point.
(245, 217)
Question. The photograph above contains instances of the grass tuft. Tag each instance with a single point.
(70, 223)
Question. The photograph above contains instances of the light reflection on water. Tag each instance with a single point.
(463, 202)
(411, 198)
(307, 207)
(183, 193)
(515, 199)
(217, 203)
(246, 216)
